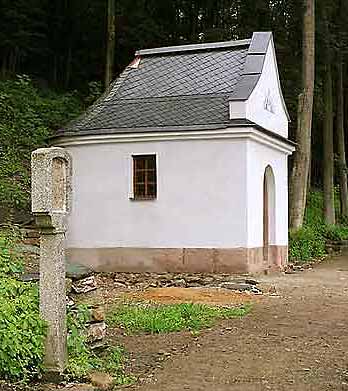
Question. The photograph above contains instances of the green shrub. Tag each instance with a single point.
(309, 242)
(82, 359)
(314, 215)
(10, 260)
(79, 354)
(336, 232)
(27, 118)
(306, 244)
(21, 330)
(168, 318)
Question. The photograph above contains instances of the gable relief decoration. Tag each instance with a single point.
(268, 104)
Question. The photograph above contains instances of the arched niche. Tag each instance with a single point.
(269, 211)
(59, 184)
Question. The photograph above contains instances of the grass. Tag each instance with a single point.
(82, 359)
(156, 319)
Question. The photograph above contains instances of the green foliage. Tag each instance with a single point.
(306, 244)
(22, 330)
(95, 90)
(168, 318)
(27, 118)
(82, 359)
(79, 354)
(336, 232)
(10, 260)
(314, 215)
(112, 361)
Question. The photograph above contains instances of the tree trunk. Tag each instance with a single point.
(55, 70)
(342, 166)
(110, 45)
(300, 170)
(4, 66)
(328, 154)
(68, 66)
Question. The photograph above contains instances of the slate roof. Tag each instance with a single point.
(182, 86)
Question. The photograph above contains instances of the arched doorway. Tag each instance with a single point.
(268, 213)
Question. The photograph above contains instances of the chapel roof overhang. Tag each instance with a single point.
(188, 86)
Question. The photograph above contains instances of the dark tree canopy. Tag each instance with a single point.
(61, 44)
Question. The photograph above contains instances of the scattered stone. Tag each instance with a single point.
(120, 284)
(195, 278)
(180, 283)
(236, 286)
(69, 301)
(76, 271)
(297, 267)
(255, 290)
(29, 277)
(68, 285)
(96, 332)
(164, 353)
(101, 380)
(251, 281)
(28, 249)
(98, 345)
(207, 280)
(31, 233)
(85, 285)
(98, 314)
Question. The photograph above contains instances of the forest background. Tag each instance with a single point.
(57, 56)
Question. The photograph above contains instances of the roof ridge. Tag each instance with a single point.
(193, 47)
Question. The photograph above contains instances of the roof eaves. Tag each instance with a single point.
(193, 47)
(144, 129)
(274, 135)
(231, 124)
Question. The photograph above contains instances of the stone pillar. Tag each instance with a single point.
(51, 195)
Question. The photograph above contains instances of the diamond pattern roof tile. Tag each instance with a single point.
(170, 88)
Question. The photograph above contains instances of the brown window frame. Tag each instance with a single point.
(144, 166)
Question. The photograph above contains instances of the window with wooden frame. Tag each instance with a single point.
(144, 177)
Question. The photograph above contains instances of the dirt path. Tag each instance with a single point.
(298, 341)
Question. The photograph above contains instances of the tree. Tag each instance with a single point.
(110, 45)
(342, 165)
(341, 46)
(328, 150)
(300, 170)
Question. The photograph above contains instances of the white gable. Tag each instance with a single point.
(258, 98)
(265, 105)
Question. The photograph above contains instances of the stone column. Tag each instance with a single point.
(51, 194)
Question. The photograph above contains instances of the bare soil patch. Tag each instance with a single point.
(210, 296)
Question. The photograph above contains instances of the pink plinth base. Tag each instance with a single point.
(191, 260)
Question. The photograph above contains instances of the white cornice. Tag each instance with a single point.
(228, 133)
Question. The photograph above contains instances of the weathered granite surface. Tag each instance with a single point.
(51, 198)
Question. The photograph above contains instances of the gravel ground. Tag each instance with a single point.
(296, 341)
